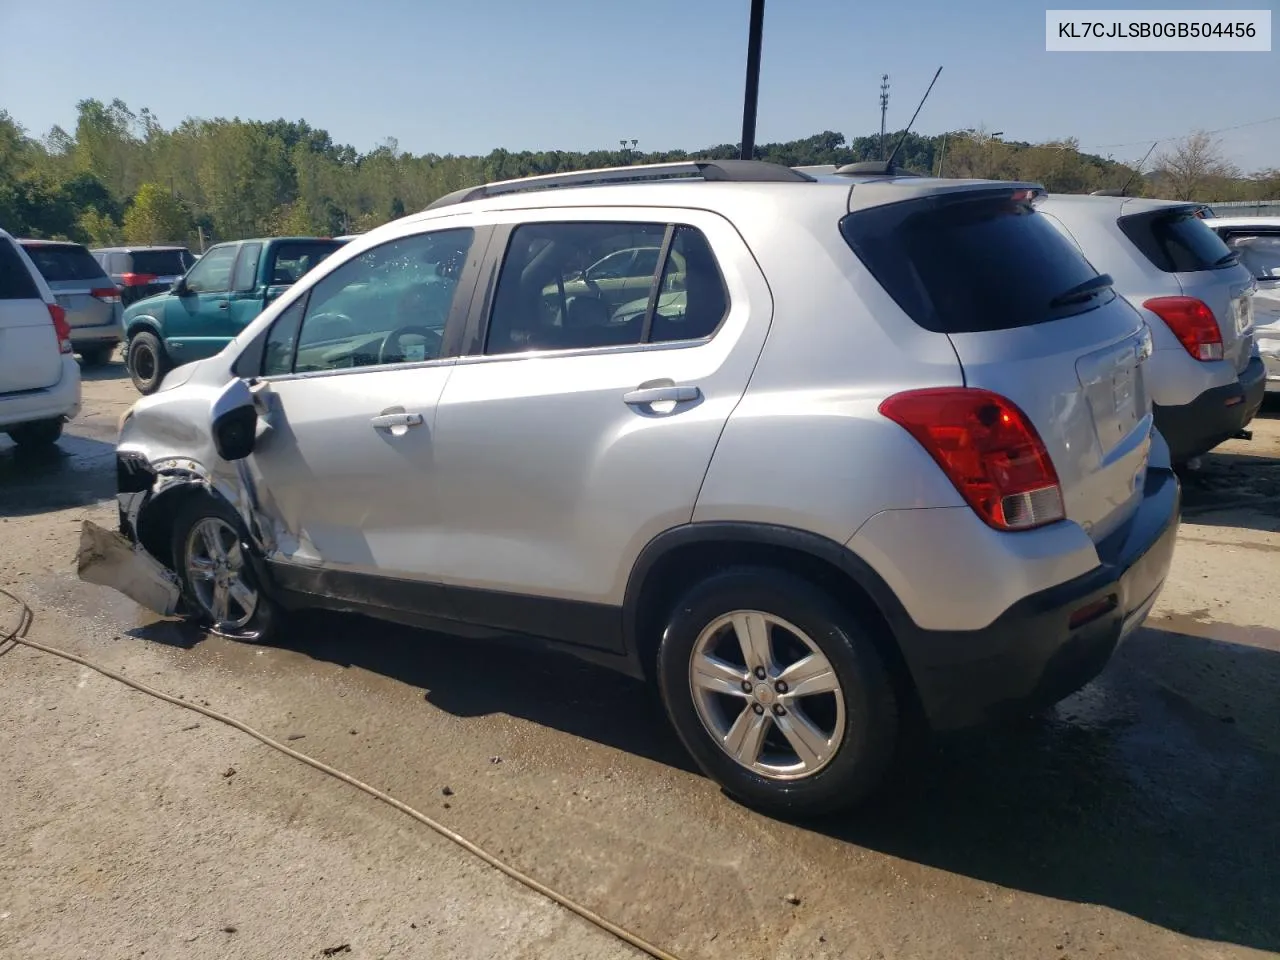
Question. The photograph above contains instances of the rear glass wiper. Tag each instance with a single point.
(1226, 258)
(1083, 291)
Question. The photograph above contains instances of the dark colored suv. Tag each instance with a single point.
(141, 271)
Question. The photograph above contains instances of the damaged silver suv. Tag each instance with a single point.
(814, 452)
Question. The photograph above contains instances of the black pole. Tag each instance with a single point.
(752, 94)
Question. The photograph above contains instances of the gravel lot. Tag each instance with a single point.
(1137, 819)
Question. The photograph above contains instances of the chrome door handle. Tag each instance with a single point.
(389, 420)
(649, 395)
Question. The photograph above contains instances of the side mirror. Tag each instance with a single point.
(234, 421)
(179, 287)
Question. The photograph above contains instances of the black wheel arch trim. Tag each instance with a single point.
(757, 534)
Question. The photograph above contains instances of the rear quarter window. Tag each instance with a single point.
(970, 264)
(59, 263)
(1177, 240)
(16, 282)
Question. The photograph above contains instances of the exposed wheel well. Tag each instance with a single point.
(676, 571)
(155, 524)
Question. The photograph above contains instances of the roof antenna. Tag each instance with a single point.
(1124, 191)
(886, 166)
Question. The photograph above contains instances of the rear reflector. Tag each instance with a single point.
(1092, 611)
(106, 294)
(137, 279)
(988, 448)
(1192, 322)
(60, 327)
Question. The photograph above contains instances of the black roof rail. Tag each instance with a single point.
(731, 171)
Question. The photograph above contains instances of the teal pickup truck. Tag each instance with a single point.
(218, 297)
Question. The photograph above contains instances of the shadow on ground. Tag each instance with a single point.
(1152, 791)
(79, 470)
(112, 370)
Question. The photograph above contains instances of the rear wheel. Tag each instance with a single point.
(147, 361)
(778, 692)
(38, 435)
(96, 356)
(211, 557)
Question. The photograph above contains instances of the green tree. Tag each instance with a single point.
(155, 217)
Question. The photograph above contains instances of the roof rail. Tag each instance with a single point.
(873, 168)
(733, 171)
(1116, 192)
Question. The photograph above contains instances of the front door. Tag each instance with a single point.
(575, 434)
(198, 323)
(353, 371)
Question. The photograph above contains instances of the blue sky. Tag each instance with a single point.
(464, 77)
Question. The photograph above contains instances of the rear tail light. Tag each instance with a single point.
(1192, 322)
(137, 279)
(988, 448)
(60, 327)
(106, 294)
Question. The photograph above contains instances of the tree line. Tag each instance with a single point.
(123, 176)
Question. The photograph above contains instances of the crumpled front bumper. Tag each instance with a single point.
(107, 558)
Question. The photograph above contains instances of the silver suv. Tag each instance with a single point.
(1205, 377)
(871, 447)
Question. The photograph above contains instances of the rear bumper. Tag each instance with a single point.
(1032, 655)
(1213, 417)
(60, 401)
(101, 336)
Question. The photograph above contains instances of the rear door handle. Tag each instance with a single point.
(650, 395)
(223, 305)
(389, 420)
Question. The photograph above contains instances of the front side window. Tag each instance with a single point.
(212, 273)
(573, 286)
(388, 305)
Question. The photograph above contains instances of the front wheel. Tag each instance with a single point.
(778, 693)
(147, 361)
(211, 557)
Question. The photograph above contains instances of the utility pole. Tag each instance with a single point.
(884, 108)
(751, 96)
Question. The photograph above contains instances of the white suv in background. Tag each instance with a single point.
(39, 376)
(1257, 241)
(1205, 378)
(849, 449)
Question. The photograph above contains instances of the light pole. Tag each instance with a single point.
(751, 96)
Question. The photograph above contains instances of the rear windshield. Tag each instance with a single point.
(292, 260)
(15, 281)
(57, 263)
(1177, 240)
(160, 263)
(965, 265)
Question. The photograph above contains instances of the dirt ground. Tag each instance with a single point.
(1137, 819)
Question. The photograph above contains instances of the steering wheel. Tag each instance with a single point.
(391, 342)
(331, 319)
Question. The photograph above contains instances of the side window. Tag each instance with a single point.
(557, 291)
(245, 277)
(1260, 253)
(277, 358)
(15, 279)
(692, 300)
(388, 305)
(213, 273)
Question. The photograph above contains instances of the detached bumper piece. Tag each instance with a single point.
(108, 559)
(1050, 644)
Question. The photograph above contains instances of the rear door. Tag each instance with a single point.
(198, 323)
(570, 436)
(79, 283)
(1178, 241)
(1014, 296)
(29, 356)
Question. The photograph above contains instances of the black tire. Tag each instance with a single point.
(870, 728)
(96, 356)
(147, 361)
(36, 436)
(264, 623)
